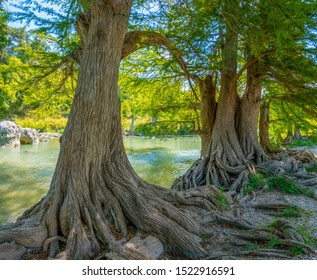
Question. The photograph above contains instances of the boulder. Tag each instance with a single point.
(10, 134)
(11, 251)
(29, 136)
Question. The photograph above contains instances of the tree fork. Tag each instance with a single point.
(248, 114)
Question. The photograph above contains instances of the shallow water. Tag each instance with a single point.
(25, 172)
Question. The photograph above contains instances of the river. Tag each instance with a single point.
(25, 172)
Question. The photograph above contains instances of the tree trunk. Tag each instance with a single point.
(248, 115)
(224, 166)
(95, 194)
(208, 107)
(297, 134)
(153, 119)
(264, 127)
(131, 129)
(289, 136)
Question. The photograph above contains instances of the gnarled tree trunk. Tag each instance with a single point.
(264, 125)
(208, 108)
(224, 165)
(248, 115)
(95, 193)
(131, 129)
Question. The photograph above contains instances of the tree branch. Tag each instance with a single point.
(250, 62)
(135, 40)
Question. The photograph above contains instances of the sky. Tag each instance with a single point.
(9, 6)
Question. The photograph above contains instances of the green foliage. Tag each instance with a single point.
(290, 109)
(163, 128)
(48, 124)
(303, 231)
(4, 39)
(254, 182)
(292, 211)
(313, 137)
(287, 186)
(301, 143)
(279, 183)
(154, 82)
(34, 80)
(159, 106)
(56, 18)
(222, 200)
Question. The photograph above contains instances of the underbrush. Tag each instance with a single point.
(279, 183)
(301, 143)
(163, 128)
(48, 124)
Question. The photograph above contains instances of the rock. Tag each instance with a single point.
(11, 251)
(29, 136)
(45, 136)
(43, 139)
(10, 134)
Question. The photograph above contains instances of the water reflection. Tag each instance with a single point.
(25, 172)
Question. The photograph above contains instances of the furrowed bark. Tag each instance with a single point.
(208, 108)
(248, 115)
(264, 124)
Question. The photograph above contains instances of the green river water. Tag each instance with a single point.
(25, 172)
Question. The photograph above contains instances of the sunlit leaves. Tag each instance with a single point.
(35, 81)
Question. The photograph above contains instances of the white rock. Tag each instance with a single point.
(29, 136)
(10, 134)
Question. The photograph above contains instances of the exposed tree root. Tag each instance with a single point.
(303, 156)
(230, 174)
(227, 231)
(280, 209)
(79, 228)
(282, 239)
(213, 171)
(227, 220)
(291, 165)
(99, 221)
(282, 236)
(242, 240)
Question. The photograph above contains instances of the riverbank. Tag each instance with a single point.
(26, 171)
(13, 135)
(262, 209)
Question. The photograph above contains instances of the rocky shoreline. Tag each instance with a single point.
(12, 135)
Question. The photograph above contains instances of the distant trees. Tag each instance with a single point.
(35, 80)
